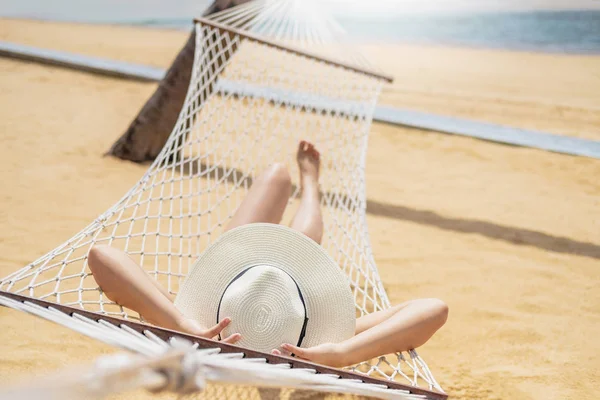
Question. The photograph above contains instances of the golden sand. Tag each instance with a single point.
(507, 236)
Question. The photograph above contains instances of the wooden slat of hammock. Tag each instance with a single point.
(289, 49)
(166, 335)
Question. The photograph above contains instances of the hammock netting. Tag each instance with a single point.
(248, 105)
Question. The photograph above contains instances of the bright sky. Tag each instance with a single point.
(380, 7)
(119, 10)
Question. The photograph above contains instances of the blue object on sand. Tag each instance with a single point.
(83, 63)
(415, 119)
(490, 132)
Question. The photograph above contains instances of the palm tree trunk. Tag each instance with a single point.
(149, 131)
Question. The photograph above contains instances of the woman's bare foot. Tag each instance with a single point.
(308, 218)
(308, 163)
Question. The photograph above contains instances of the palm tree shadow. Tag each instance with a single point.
(491, 230)
(510, 234)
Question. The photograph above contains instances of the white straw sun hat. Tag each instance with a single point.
(277, 286)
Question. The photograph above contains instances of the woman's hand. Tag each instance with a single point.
(193, 327)
(329, 354)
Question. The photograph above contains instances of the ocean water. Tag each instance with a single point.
(569, 31)
(544, 31)
(573, 31)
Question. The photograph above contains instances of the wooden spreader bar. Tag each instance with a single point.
(166, 335)
(290, 49)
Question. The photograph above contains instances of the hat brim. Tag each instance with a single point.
(329, 303)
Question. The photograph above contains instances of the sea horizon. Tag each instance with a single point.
(547, 31)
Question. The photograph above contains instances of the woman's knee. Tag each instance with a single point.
(99, 261)
(277, 175)
(438, 310)
(96, 256)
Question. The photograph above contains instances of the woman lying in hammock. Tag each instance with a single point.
(333, 337)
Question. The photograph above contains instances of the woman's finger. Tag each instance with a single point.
(298, 351)
(215, 330)
(275, 352)
(231, 339)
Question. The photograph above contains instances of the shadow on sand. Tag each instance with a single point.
(510, 234)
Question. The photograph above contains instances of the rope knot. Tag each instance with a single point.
(183, 377)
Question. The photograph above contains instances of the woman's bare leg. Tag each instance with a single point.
(308, 218)
(266, 200)
(123, 281)
(127, 284)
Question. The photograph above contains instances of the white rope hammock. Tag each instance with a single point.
(222, 139)
(182, 364)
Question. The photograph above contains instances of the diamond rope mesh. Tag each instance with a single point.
(224, 138)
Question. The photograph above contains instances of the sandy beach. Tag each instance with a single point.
(507, 236)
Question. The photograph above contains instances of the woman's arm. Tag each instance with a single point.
(370, 320)
(125, 282)
(401, 328)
